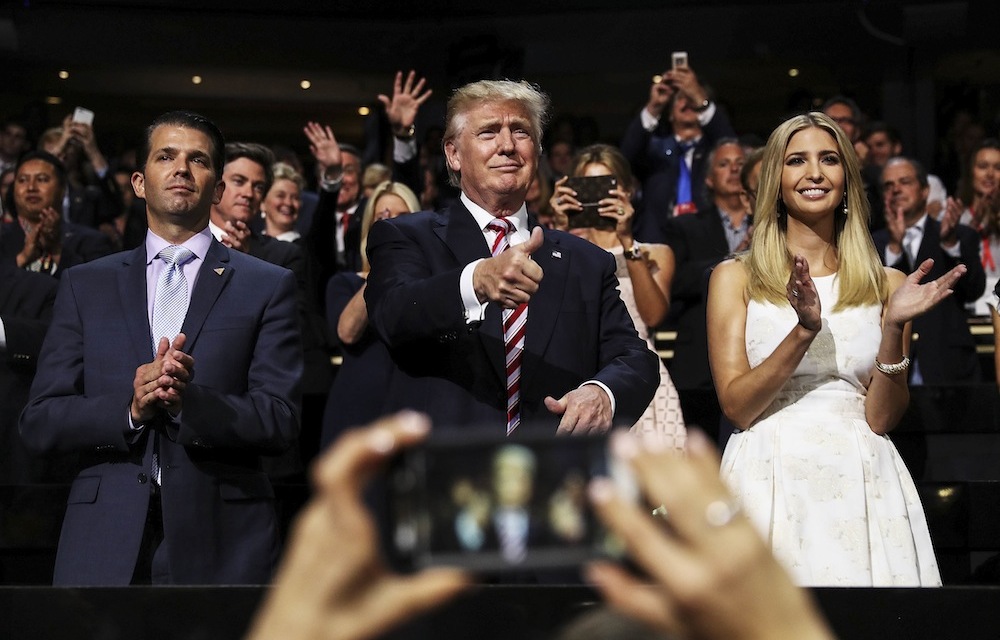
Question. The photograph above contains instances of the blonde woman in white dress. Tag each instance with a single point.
(644, 273)
(808, 336)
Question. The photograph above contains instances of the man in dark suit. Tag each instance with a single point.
(38, 239)
(700, 241)
(170, 488)
(25, 311)
(442, 287)
(670, 158)
(942, 350)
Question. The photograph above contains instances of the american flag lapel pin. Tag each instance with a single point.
(556, 254)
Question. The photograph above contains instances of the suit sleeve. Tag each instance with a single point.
(265, 416)
(969, 287)
(634, 146)
(406, 300)
(628, 367)
(61, 416)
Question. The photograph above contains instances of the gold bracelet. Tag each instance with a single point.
(893, 369)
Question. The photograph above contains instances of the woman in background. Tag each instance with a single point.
(356, 394)
(981, 189)
(644, 273)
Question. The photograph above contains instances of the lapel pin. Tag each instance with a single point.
(557, 254)
(219, 270)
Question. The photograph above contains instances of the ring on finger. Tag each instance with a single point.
(660, 512)
(621, 211)
(795, 293)
(719, 513)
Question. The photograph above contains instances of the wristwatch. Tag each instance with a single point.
(703, 106)
(406, 135)
(635, 253)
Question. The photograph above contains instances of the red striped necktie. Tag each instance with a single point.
(514, 321)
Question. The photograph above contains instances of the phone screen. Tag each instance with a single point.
(679, 59)
(84, 116)
(497, 504)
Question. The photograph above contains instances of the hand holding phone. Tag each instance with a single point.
(590, 190)
(679, 60)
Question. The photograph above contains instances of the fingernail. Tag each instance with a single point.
(413, 423)
(600, 490)
(697, 442)
(381, 440)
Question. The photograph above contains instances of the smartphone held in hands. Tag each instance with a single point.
(590, 190)
(678, 60)
(83, 116)
(495, 504)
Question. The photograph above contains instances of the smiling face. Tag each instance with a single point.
(812, 174)
(724, 175)
(281, 206)
(495, 154)
(903, 191)
(986, 171)
(179, 182)
(245, 180)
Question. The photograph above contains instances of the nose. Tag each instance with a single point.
(505, 141)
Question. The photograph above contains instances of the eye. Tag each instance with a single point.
(794, 160)
(486, 134)
(831, 159)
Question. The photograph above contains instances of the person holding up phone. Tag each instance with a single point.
(644, 271)
(667, 145)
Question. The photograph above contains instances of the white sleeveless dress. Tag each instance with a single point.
(662, 419)
(834, 499)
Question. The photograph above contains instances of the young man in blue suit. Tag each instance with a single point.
(442, 288)
(170, 423)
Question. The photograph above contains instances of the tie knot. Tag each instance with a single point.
(501, 225)
(176, 254)
(687, 145)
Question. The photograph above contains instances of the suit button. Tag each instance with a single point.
(142, 478)
(915, 336)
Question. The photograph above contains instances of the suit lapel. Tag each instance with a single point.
(132, 288)
(215, 272)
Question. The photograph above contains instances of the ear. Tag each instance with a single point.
(139, 184)
(451, 156)
(220, 186)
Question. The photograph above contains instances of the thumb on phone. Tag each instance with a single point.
(533, 244)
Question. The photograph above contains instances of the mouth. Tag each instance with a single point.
(181, 187)
(813, 193)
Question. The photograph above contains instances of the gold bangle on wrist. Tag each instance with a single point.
(893, 369)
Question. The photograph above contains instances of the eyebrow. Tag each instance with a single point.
(805, 152)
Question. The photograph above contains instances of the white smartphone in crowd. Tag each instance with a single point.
(83, 116)
(679, 59)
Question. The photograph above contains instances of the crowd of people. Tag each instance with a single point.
(810, 280)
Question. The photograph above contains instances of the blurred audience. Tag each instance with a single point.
(980, 188)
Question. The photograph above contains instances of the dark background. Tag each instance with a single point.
(911, 62)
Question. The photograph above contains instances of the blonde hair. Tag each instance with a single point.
(535, 102)
(285, 171)
(860, 273)
(388, 187)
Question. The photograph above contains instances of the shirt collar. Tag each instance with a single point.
(483, 217)
(919, 224)
(198, 244)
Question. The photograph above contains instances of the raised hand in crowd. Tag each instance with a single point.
(84, 134)
(401, 109)
(714, 577)
(685, 82)
(332, 583)
(660, 93)
(563, 201)
(324, 148)
(895, 224)
(949, 224)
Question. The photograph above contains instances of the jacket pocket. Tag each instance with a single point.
(84, 490)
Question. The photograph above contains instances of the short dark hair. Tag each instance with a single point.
(190, 120)
(255, 153)
(57, 166)
(918, 168)
(847, 102)
(883, 127)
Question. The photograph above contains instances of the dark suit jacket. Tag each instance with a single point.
(655, 159)
(699, 243)
(218, 513)
(79, 244)
(26, 301)
(578, 328)
(941, 343)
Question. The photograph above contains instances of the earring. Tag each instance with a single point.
(845, 203)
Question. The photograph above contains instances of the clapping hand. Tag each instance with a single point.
(913, 299)
(802, 295)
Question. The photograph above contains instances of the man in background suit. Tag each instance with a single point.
(25, 311)
(170, 427)
(670, 158)
(942, 350)
(700, 241)
(440, 282)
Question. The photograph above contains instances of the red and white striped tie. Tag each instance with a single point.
(514, 321)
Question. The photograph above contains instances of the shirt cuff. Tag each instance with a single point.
(649, 121)
(611, 396)
(403, 150)
(3, 336)
(955, 251)
(706, 116)
(475, 311)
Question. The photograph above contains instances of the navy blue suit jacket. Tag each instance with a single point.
(655, 159)
(243, 401)
(578, 328)
(942, 344)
